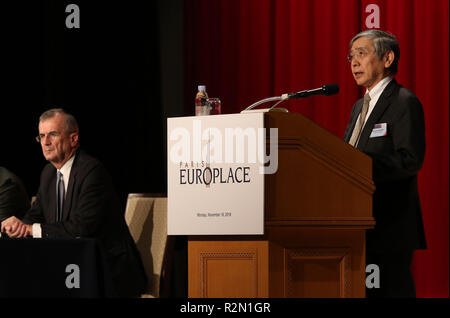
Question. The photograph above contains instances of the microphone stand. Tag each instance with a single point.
(280, 99)
(326, 90)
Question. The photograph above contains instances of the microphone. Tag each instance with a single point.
(327, 90)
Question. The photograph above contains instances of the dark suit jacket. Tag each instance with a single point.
(14, 199)
(91, 209)
(396, 158)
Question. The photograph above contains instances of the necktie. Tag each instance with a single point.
(360, 123)
(59, 196)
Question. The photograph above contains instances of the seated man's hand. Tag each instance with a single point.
(15, 227)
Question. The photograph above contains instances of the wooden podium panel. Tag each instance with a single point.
(320, 178)
(316, 262)
(317, 207)
(215, 267)
(289, 262)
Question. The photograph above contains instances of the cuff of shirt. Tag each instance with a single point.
(37, 230)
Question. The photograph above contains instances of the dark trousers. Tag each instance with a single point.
(396, 279)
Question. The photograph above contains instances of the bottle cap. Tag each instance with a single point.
(201, 87)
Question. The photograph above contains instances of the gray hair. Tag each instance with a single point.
(70, 123)
(383, 43)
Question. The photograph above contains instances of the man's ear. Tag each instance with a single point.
(74, 139)
(388, 59)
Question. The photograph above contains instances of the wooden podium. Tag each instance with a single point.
(317, 208)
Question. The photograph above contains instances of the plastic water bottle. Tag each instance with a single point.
(201, 101)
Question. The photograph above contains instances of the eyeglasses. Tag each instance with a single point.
(358, 53)
(51, 135)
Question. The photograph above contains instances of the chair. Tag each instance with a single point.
(146, 217)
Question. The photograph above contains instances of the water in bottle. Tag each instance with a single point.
(201, 102)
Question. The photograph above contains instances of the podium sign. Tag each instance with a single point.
(215, 184)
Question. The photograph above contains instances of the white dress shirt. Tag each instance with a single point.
(65, 170)
(374, 94)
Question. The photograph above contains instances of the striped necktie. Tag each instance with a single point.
(59, 196)
(360, 123)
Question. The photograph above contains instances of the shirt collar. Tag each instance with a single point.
(379, 88)
(65, 169)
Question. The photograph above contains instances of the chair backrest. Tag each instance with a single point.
(146, 217)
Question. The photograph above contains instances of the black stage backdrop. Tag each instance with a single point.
(107, 73)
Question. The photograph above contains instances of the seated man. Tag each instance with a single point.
(76, 198)
(13, 196)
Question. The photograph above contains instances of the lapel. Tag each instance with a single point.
(52, 197)
(382, 104)
(72, 182)
(351, 125)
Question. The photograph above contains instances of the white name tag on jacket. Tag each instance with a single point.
(379, 130)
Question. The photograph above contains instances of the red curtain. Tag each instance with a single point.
(246, 50)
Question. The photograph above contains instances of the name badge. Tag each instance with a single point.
(379, 130)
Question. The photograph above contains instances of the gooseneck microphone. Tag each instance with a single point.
(326, 90)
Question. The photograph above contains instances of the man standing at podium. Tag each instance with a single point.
(388, 125)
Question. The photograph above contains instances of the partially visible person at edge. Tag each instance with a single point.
(14, 199)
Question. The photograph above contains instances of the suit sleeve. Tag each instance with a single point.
(34, 214)
(408, 139)
(13, 200)
(351, 123)
(6, 204)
